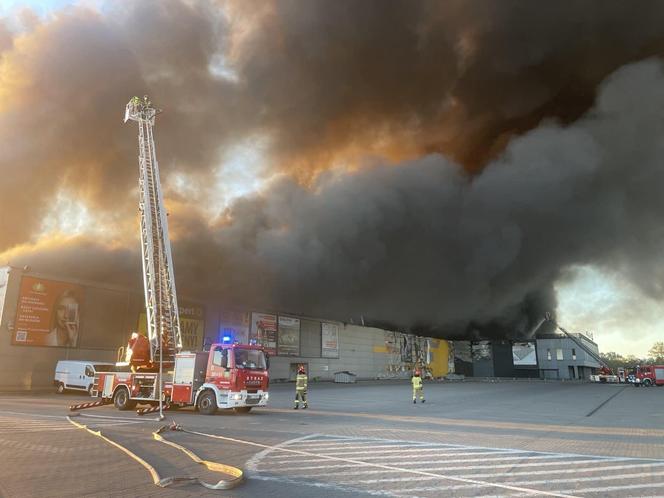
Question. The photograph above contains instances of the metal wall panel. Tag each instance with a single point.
(310, 338)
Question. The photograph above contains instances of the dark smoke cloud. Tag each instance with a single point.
(457, 77)
(64, 86)
(497, 174)
(426, 243)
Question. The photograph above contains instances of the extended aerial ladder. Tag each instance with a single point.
(156, 372)
(163, 323)
(577, 341)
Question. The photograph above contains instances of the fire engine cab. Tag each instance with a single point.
(649, 375)
(228, 376)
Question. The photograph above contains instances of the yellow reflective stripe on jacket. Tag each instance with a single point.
(417, 382)
(301, 382)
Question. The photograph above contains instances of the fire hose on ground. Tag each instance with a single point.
(237, 476)
(238, 479)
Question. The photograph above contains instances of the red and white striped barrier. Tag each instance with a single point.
(152, 409)
(91, 404)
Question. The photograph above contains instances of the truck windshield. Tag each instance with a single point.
(252, 359)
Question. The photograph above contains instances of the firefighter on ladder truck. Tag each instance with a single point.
(156, 371)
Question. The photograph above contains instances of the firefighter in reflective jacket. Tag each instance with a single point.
(301, 389)
(417, 386)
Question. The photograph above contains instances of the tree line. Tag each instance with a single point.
(616, 360)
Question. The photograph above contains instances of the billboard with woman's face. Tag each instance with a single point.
(48, 313)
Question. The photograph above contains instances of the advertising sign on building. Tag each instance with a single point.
(192, 325)
(330, 340)
(48, 313)
(264, 331)
(288, 339)
(523, 353)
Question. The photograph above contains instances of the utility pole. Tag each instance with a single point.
(163, 322)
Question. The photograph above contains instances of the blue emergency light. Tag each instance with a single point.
(226, 335)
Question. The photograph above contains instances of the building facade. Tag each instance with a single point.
(550, 356)
(562, 358)
(46, 318)
(502, 358)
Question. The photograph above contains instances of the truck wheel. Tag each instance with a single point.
(647, 382)
(122, 401)
(242, 409)
(207, 403)
(60, 389)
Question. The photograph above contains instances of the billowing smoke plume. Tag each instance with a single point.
(498, 156)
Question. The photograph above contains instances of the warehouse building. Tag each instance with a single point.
(562, 358)
(46, 318)
(550, 356)
(502, 358)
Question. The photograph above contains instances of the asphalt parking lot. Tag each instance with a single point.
(468, 439)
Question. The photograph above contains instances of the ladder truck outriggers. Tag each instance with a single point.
(156, 370)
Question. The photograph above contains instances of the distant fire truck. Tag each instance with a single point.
(649, 375)
(228, 376)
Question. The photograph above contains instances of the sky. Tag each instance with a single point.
(457, 168)
(605, 305)
(40, 7)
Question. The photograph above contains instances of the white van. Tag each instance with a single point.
(79, 375)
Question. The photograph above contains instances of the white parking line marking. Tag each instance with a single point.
(318, 484)
(464, 467)
(466, 460)
(332, 442)
(571, 471)
(542, 481)
(389, 468)
(419, 451)
(426, 462)
(491, 448)
(355, 461)
(613, 488)
(393, 445)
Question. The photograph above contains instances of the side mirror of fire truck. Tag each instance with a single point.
(224, 358)
(267, 361)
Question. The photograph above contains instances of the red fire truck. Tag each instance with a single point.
(156, 370)
(228, 376)
(649, 375)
